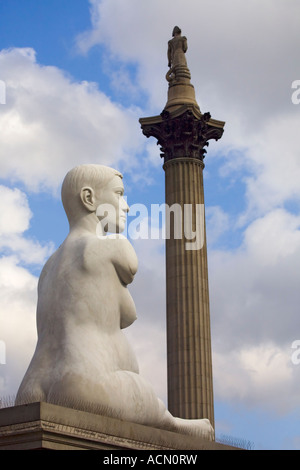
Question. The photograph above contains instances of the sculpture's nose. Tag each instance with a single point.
(125, 206)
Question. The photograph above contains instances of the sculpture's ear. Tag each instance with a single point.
(87, 196)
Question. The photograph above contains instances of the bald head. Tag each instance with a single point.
(90, 175)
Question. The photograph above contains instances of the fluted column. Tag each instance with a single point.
(190, 383)
(183, 132)
(183, 135)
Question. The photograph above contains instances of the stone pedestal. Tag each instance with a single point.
(180, 94)
(45, 426)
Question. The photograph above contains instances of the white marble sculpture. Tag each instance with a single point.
(82, 358)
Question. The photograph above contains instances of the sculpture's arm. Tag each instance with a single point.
(124, 259)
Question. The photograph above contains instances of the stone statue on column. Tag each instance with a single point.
(177, 47)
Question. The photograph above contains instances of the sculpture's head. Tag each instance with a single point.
(176, 30)
(98, 190)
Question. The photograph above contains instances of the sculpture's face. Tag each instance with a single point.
(113, 208)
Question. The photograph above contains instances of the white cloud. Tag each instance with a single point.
(261, 376)
(17, 322)
(275, 160)
(14, 211)
(17, 287)
(217, 223)
(15, 216)
(255, 309)
(50, 118)
(274, 238)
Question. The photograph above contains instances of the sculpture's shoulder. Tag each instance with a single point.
(116, 251)
(68, 256)
(112, 246)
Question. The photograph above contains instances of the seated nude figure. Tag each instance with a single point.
(82, 358)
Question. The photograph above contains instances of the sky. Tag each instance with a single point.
(75, 77)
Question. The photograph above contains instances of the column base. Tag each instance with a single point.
(179, 94)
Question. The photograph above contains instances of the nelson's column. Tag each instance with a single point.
(183, 132)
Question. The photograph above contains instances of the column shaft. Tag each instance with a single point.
(190, 383)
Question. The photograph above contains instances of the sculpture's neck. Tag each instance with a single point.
(86, 224)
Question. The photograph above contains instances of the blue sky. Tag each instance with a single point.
(78, 77)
